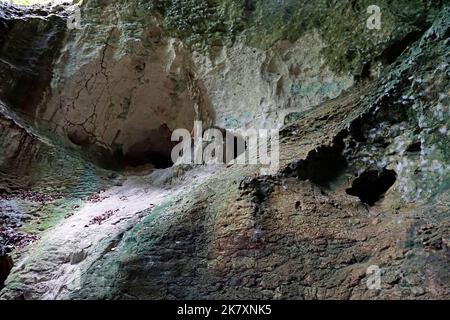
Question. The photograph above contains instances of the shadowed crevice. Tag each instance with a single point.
(371, 185)
(6, 265)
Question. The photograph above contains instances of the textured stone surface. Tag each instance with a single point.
(363, 180)
(31, 40)
(255, 88)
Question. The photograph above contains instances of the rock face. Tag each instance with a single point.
(120, 87)
(16, 142)
(364, 155)
(31, 40)
(5, 268)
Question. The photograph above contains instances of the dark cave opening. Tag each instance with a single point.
(371, 185)
(321, 166)
(157, 159)
(154, 149)
(391, 53)
(119, 161)
(6, 265)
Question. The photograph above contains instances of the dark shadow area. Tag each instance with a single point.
(233, 144)
(371, 185)
(6, 265)
(321, 166)
(392, 52)
(157, 159)
(155, 149)
(31, 39)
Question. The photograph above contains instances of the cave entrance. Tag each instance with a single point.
(155, 149)
(371, 185)
(6, 265)
(322, 165)
(158, 160)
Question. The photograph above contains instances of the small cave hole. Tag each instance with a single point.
(392, 52)
(416, 146)
(321, 166)
(371, 185)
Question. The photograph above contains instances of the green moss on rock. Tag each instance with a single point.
(350, 45)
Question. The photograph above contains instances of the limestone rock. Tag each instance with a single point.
(85, 171)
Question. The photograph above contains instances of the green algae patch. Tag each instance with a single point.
(54, 185)
(202, 23)
(157, 211)
(50, 215)
(350, 45)
(131, 252)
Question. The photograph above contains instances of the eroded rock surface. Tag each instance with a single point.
(363, 179)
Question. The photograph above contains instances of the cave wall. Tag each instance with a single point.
(30, 41)
(139, 69)
(135, 71)
(294, 236)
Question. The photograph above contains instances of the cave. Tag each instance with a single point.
(371, 185)
(322, 165)
(28, 48)
(93, 208)
(157, 159)
(5, 268)
(152, 149)
(155, 149)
